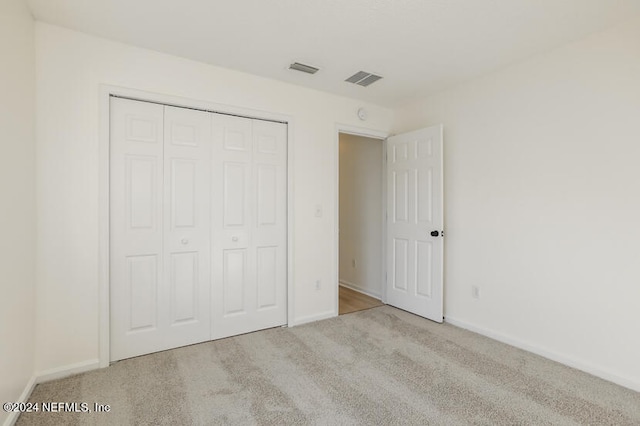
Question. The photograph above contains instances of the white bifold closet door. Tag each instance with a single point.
(249, 225)
(184, 204)
(160, 246)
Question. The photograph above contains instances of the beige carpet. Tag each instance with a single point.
(380, 366)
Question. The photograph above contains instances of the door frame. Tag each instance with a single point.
(372, 134)
(106, 91)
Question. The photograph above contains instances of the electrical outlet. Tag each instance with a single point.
(475, 292)
(317, 284)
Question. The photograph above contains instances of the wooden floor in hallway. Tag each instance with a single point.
(353, 301)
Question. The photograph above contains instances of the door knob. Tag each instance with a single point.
(434, 233)
(234, 239)
(184, 241)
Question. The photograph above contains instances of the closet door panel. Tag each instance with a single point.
(230, 218)
(187, 230)
(270, 223)
(136, 234)
(249, 225)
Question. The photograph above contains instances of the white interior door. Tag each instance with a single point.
(248, 225)
(415, 222)
(159, 227)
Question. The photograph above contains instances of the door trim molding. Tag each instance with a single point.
(367, 133)
(106, 91)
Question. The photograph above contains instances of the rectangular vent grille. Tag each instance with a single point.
(304, 68)
(361, 75)
(363, 78)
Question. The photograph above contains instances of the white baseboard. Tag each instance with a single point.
(315, 317)
(354, 287)
(24, 397)
(67, 370)
(549, 354)
(48, 375)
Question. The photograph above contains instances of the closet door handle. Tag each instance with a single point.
(234, 239)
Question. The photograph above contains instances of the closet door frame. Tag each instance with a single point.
(106, 92)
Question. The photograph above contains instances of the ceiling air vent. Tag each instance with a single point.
(303, 68)
(363, 78)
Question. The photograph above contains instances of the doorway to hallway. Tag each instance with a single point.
(361, 222)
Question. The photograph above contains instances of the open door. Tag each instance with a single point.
(415, 222)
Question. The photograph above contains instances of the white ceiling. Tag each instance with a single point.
(419, 46)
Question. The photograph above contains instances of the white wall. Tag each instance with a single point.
(70, 68)
(360, 218)
(17, 204)
(542, 193)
